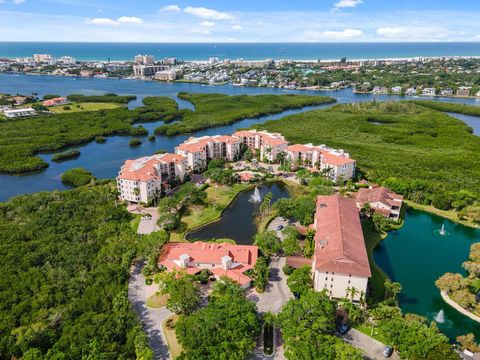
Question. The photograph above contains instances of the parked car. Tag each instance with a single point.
(388, 351)
(280, 227)
(343, 328)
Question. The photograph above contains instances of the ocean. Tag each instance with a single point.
(247, 51)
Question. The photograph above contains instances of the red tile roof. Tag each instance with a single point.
(143, 169)
(379, 194)
(212, 253)
(273, 141)
(339, 242)
(298, 262)
(336, 160)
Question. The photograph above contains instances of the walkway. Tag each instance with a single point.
(372, 348)
(152, 319)
(457, 307)
(277, 293)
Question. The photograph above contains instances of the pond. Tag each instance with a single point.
(417, 255)
(238, 220)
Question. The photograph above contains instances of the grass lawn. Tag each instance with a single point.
(447, 214)
(218, 198)
(372, 239)
(135, 222)
(77, 107)
(157, 301)
(173, 345)
(367, 330)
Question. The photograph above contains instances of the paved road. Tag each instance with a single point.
(147, 225)
(372, 348)
(152, 319)
(277, 293)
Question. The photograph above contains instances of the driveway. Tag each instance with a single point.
(372, 348)
(277, 293)
(152, 319)
(147, 225)
(276, 223)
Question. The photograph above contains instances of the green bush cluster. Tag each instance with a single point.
(77, 177)
(69, 154)
(107, 98)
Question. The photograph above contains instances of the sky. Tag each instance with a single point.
(240, 20)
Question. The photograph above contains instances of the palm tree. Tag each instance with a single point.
(392, 288)
(353, 292)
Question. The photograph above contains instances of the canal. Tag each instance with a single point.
(238, 220)
(416, 256)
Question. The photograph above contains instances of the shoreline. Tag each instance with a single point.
(457, 307)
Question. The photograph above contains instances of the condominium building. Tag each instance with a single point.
(382, 200)
(144, 59)
(148, 70)
(199, 151)
(142, 179)
(335, 164)
(231, 261)
(267, 145)
(340, 262)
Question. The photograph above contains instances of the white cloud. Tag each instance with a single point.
(207, 23)
(344, 34)
(171, 8)
(237, 27)
(347, 3)
(18, 2)
(412, 33)
(131, 20)
(123, 20)
(201, 31)
(208, 14)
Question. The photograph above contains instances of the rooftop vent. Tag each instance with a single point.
(322, 205)
(323, 243)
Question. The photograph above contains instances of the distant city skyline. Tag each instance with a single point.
(243, 21)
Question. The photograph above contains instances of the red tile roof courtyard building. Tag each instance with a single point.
(221, 260)
(340, 262)
(381, 200)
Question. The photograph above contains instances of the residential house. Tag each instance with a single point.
(446, 92)
(463, 91)
(396, 90)
(55, 101)
(13, 113)
(429, 92)
(340, 262)
(267, 145)
(337, 165)
(381, 200)
(143, 179)
(231, 261)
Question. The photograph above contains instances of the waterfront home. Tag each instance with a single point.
(199, 150)
(55, 102)
(380, 90)
(396, 90)
(381, 199)
(411, 92)
(231, 261)
(13, 113)
(446, 92)
(340, 262)
(429, 92)
(148, 70)
(464, 91)
(143, 179)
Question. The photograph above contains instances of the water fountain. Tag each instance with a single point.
(442, 230)
(440, 317)
(255, 197)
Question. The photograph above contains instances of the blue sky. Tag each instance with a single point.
(239, 20)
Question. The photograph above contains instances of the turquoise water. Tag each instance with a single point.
(416, 256)
(248, 51)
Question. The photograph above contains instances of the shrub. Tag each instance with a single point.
(77, 177)
(151, 138)
(69, 154)
(135, 142)
(100, 139)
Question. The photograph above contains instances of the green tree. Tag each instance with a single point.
(450, 282)
(300, 281)
(225, 329)
(183, 294)
(290, 244)
(392, 289)
(268, 242)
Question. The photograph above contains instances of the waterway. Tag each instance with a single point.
(237, 221)
(416, 256)
(104, 160)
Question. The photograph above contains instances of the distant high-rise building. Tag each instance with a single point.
(144, 59)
